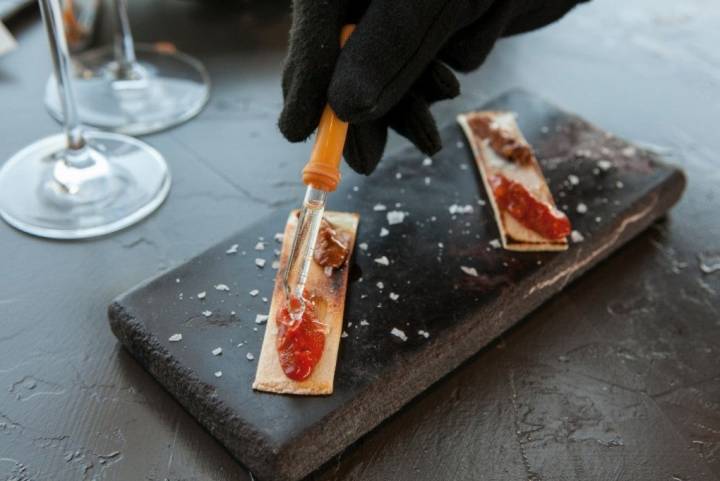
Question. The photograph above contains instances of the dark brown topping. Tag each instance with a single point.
(500, 140)
(331, 248)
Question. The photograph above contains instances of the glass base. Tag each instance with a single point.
(41, 195)
(163, 89)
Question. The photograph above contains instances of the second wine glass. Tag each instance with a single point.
(134, 89)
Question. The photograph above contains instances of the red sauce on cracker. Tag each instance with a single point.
(536, 215)
(300, 343)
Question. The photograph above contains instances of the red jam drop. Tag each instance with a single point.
(531, 212)
(301, 341)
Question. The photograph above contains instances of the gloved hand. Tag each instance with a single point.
(389, 71)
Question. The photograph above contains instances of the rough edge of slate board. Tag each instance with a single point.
(298, 457)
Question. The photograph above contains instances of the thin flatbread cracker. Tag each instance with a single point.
(270, 376)
(514, 235)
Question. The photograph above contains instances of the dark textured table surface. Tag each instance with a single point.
(616, 378)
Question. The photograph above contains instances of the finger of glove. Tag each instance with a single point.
(437, 83)
(468, 48)
(412, 119)
(365, 145)
(309, 65)
(392, 45)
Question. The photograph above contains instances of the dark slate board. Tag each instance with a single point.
(284, 437)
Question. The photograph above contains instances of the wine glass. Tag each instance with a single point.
(132, 89)
(81, 183)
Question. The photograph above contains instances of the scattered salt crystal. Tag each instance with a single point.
(427, 162)
(441, 245)
(398, 175)
(344, 335)
(461, 209)
(576, 237)
(232, 250)
(177, 280)
(221, 287)
(249, 356)
(604, 165)
(260, 246)
(399, 334)
(495, 244)
(544, 129)
(424, 334)
(709, 262)
(427, 180)
(355, 188)
(394, 296)
(363, 246)
(398, 205)
(218, 373)
(574, 179)
(260, 318)
(175, 337)
(254, 292)
(459, 144)
(384, 232)
(581, 208)
(264, 299)
(395, 217)
(463, 167)
(276, 265)
(202, 295)
(260, 262)
(206, 313)
(380, 285)
(379, 207)
(629, 151)
(471, 271)
(232, 313)
(364, 323)
(480, 202)
(619, 184)
(383, 261)
(279, 237)
(217, 351)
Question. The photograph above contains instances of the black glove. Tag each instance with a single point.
(389, 71)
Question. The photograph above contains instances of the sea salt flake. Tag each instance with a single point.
(619, 184)
(221, 287)
(233, 249)
(709, 262)
(384, 232)
(424, 334)
(380, 285)
(395, 217)
(363, 246)
(254, 292)
(398, 175)
(573, 179)
(264, 299)
(576, 237)
(471, 271)
(461, 209)
(383, 261)
(459, 144)
(495, 243)
(394, 296)
(598, 219)
(441, 245)
(249, 356)
(399, 333)
(379, 207)
(604, 165)
(427, 162)
(177, 337)
(217, 373)
(581, 208)
(201, 295)
(260, 262)
(344, 335)
(364, 323)
(260, 318)
(177, 280)
(206, 313)
(427, 180)
(217, 351)
(260, 246)
(279, 237)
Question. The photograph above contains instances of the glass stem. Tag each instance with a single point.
(52, 17)
(124, 44)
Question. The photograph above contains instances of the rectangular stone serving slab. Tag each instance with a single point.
(446, 314)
